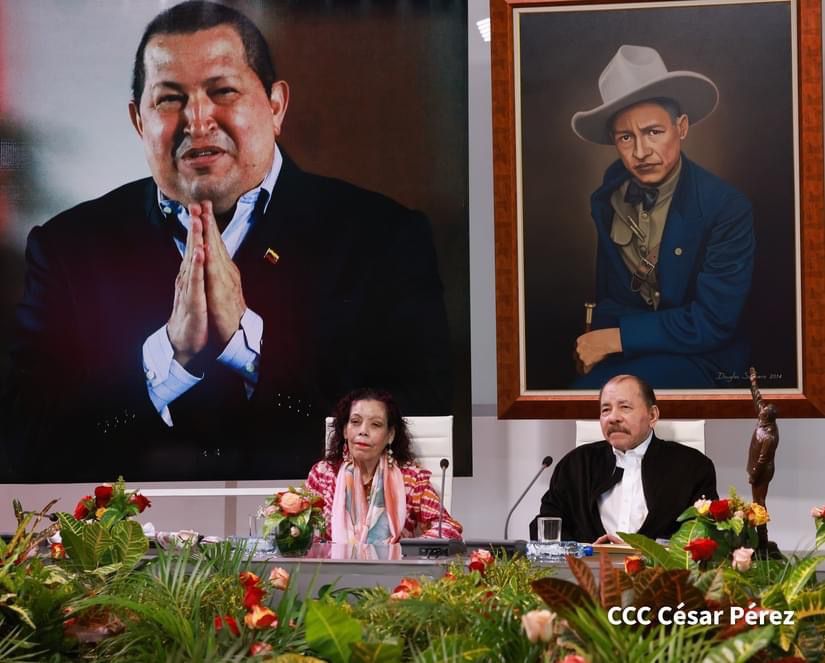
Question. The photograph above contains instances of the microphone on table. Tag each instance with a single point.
(547, 462)
(444, 465)
(434, 548)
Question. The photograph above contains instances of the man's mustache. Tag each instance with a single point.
(216, 141)
(617, 429)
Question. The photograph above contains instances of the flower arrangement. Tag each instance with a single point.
(718, 530)
(291, 516)
(111, 503)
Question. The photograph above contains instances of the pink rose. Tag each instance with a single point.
(573, 658)
(279, 578)
(480, 559)
(292, 504)
(538, 625)
(818, 512)
(742, 559)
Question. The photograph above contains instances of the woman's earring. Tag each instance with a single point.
(390, 459)
(346, 453)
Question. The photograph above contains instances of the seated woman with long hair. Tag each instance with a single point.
(372, 488)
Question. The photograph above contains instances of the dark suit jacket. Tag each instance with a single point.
(704, 272)
(355, 300)
(673, 478)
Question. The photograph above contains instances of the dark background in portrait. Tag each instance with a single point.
(378, 97)
(747, 141)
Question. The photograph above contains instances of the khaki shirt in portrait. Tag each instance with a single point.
(638, 234)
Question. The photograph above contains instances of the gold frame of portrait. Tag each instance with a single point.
(514, 400)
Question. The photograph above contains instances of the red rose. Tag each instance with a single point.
(231, 624)
(720, 509)
(252, 596)
(102, 495)
(140, 502)
(248, 579)
(260, 617)
(701, 549)
(633, 564)
(81, 511)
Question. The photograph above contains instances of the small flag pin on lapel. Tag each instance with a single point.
(271, 256)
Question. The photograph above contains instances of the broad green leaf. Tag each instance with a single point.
(820, 532)
(799, 576)
(104, 572)
(388, 651)
(649, 548)
(99, 542)
(22, 613)
(690, 512)
(130, 543)
(690, 530)
(111, 516)
(740, 648)
(330, 631)
(79, 551)
(808, 604)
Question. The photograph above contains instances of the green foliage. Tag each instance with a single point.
(91, 545)
(330, 630)
(820, 532)
(601, 641)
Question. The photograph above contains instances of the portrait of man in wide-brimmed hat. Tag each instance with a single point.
(726, 215)
(675, 250)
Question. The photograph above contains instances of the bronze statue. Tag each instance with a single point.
(764, 441)
(761, 453)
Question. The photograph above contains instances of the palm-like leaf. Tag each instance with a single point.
(741, 647)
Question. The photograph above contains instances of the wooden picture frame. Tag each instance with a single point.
(805, 395)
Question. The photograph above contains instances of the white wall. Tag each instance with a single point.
(506, 454)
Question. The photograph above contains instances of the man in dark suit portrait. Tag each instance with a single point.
(201, 322)
(631, 481)
(675, 243)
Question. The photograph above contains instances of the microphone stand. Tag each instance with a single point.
(444, 465)
(544, 465)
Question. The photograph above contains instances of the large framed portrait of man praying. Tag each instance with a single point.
(658, 183)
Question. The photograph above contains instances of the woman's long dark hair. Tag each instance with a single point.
(401, 445)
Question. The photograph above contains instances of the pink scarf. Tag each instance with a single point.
(379, 521)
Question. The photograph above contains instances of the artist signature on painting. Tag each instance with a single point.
(722, 376)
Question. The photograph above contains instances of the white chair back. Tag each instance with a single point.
(690, 433)
(432, 440)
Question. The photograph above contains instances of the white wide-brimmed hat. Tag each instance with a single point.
(638, 73)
